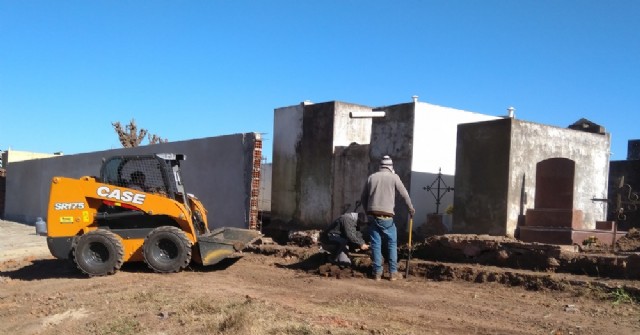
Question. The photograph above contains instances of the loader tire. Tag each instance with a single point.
(98, 253)
(167, 249)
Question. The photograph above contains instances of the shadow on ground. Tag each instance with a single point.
(56, 269)
(43, 269)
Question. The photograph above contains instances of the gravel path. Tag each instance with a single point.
(18, 241)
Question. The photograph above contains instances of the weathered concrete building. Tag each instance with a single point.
(324, 152)
(316, 170)
(511, 173)
(624, 180)
(220, 171)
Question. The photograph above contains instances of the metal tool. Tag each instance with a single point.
(406, 275)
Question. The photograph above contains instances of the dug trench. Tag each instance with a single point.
(490, 259)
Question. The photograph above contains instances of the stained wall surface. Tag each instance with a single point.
(393, 135)
(322, 157)
(316, 157)
(217, 170)
(421, 139)
(482, 178)
(264, 202)
(307, 193)
(496, 172)
(287, 134)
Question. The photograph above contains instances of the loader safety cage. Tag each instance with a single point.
(148, 173)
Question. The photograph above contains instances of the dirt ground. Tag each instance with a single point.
(279, 292)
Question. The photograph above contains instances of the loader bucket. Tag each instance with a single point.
(224, 242)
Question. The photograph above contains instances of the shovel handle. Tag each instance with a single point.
(410, 247)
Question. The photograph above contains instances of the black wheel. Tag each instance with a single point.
(98, 253)
(167, 249)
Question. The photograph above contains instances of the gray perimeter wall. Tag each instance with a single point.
(217, 170)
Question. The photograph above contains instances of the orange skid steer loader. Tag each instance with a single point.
(137, 210)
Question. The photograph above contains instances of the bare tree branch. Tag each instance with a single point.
(155, 139)
(129, 137)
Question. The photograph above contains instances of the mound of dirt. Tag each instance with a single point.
(339, 272)
(630, 242)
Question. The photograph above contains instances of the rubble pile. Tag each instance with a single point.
(338, 272)
(630, 242)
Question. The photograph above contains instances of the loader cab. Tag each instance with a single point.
(158, 173)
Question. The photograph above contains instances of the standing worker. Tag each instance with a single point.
(378, 199)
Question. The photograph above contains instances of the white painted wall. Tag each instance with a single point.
(434, 140)
(434, 147)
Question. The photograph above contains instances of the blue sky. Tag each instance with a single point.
(192, 69)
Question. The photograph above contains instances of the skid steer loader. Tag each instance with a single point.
(137, 210)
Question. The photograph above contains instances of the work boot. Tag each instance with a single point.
(377, 276)
(395, 276)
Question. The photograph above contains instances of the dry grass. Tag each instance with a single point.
(244, 317)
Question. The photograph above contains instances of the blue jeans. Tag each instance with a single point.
(383, 232)
(339, 254)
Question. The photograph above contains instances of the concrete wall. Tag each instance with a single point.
(264, 202)
(626, 174)
(496, 172)
(630, 171)
(347, 130)
(217, 170)
(589, 151)
(287, 134)
(482, 177)
(351, 137)
(393, 135)
(308, 182)
(349, 175)
(316, 157)
(322, 157)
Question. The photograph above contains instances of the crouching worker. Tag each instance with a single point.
(343, 234)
